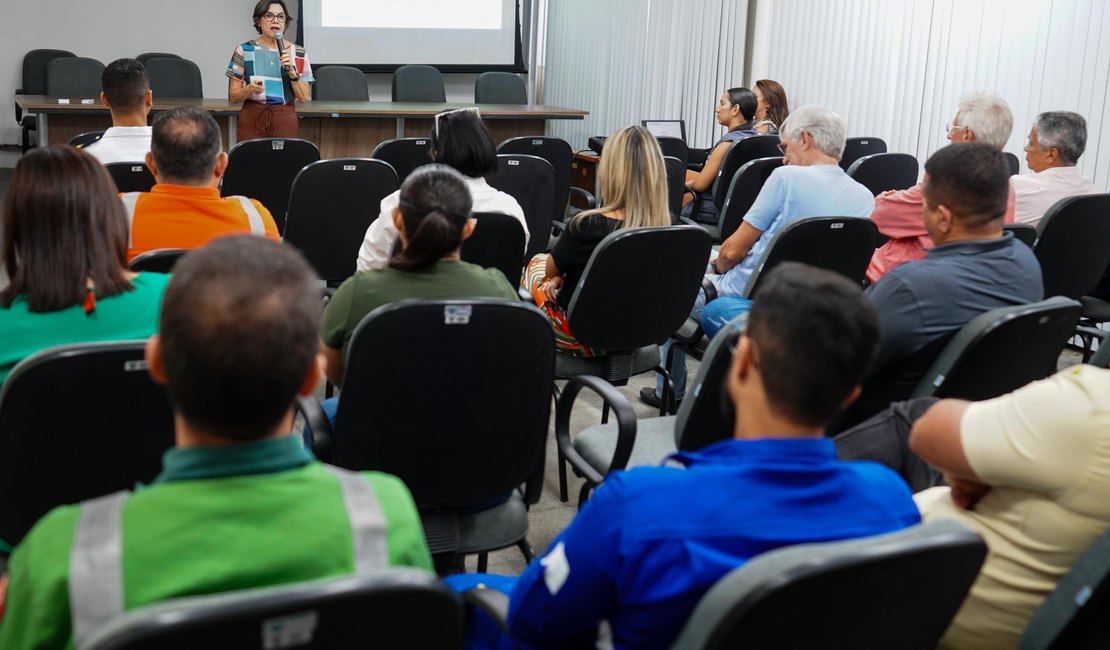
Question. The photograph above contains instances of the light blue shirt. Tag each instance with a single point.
(793, 193)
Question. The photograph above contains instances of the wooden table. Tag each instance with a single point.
(339, 129)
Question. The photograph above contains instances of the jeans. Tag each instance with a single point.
(721, 312)
(677, 369)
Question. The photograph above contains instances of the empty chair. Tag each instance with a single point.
(531, 181)
(496, 244)
(676, 185)
(264, 170)
(331, 205)
(880, 172)
(161, 260)
(82, 140)
(340, 83)
(1073, 244)
(77, 422)
(131, 176)
(1072, 616)
(856, 148)
(555, 151)
(739, 154)
(147, 56)
(418, 83)
(34, 83)
(404, 154)
(745, 187)
(396, 608)
(76, 76)
(174, 77)
(1023, 232)
(849, 594)
(499, 88)
(1012, 161)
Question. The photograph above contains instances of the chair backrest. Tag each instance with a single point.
(1002, 350)
(1073, 616)
(841, 595)
(500, 88)
(1101, 357)
(1023, 232)
(131, 176)
(147, 56)
(418, 83)
(82, 140)
(77, 422)
(841, 244)
(496, 243)
(331, 205)
(340, 83)
(676, 184)
(554, 150)
(34, 69)
(880, 172)
(75, 76)
(531, 181)
(398, 608)
(1012, 162)
(614, 308)
(404, 154)
(174, 77)
(161, 260)
(709, 415)
(745, 186)
(739, 154)
(675, 147)
(856, 148)
(264, 170)
(1073, 244)
(416, 391)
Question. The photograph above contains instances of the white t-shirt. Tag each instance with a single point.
(1035, 193)
(1045, 450)
(381, 234)
(121, 144)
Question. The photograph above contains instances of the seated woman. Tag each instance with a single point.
(462, 141)
(64, 248)
(432, 218)
(633, 184)
(772, 106)
(735, 110)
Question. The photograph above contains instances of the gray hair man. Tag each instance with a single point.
(1056, 141)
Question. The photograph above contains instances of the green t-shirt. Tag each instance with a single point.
(365, 291)
(217, 519)
(129, 315)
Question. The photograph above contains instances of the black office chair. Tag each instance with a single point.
(264, 170)
(496, 243)
(1073, 244)
(76, 76)
(340, 83)
(500, 88)
(174, 77)
(880, 172)
(82, 140)
(77, 422)
(856, 148)
(415, 404)
(331, 205)
(1012, 162)
(147, 56)
(33, 82)
(842, 595)
(676, 185)
(398, 608)
(531, 181)
(739, 154)
(742, 192)
(404, 154)
(161, 260)
(557, 152)
(674, 147)
(1072, 617)
(1023, 232)
(131, 176)
(418, 83)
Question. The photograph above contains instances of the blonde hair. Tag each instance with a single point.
(633, 179)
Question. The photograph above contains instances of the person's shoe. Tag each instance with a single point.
(648, 396)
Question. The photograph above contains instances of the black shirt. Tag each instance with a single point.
(573, 249)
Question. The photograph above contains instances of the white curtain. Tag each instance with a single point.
(896, 70)
(632, 60)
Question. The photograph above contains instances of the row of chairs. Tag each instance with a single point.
(415, 83)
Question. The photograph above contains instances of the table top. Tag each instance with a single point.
(222, 106)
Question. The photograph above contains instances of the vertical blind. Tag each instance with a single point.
(642, 59)
(896, 70)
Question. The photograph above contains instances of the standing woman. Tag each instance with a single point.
(773, 107)
(268, 83)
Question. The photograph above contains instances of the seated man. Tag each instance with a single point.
(652, 540)
(1055, 144)
(240, 503)
(980, 117)
(811, 184)
(126, 93)
(1028, 472)
(974, 267)
(184, 210)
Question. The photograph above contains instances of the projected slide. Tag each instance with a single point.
(413, 14)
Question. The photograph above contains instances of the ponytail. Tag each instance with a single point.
(436, 235)
(435, 206)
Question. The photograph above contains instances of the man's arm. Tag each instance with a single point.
(937, 439)
(736, 247)
(765, 209)
(898, 213)
(900, 322)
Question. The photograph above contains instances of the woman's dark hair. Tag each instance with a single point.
(64, 225)
(774, 96)
(460, 139)
(746, 100)
(435, 206)
(263, 6)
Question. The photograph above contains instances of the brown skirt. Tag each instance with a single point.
(259, 120)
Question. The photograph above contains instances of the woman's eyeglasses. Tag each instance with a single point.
(472, 109)
(274, 18)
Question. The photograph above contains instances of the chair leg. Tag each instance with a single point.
(605, 413)
(526, 550)
(562, 476)
(583, 494)
(483, 562)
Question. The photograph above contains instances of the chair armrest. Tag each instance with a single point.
(710, 290)
(626, 425)
(525, 295)
(317, 423)
(688, 222)
(557, 227)
(491, 601)
(591, 202)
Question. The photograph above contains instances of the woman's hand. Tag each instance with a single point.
(551, 287)
(287, 64)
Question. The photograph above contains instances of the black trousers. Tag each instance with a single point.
(885, 438)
